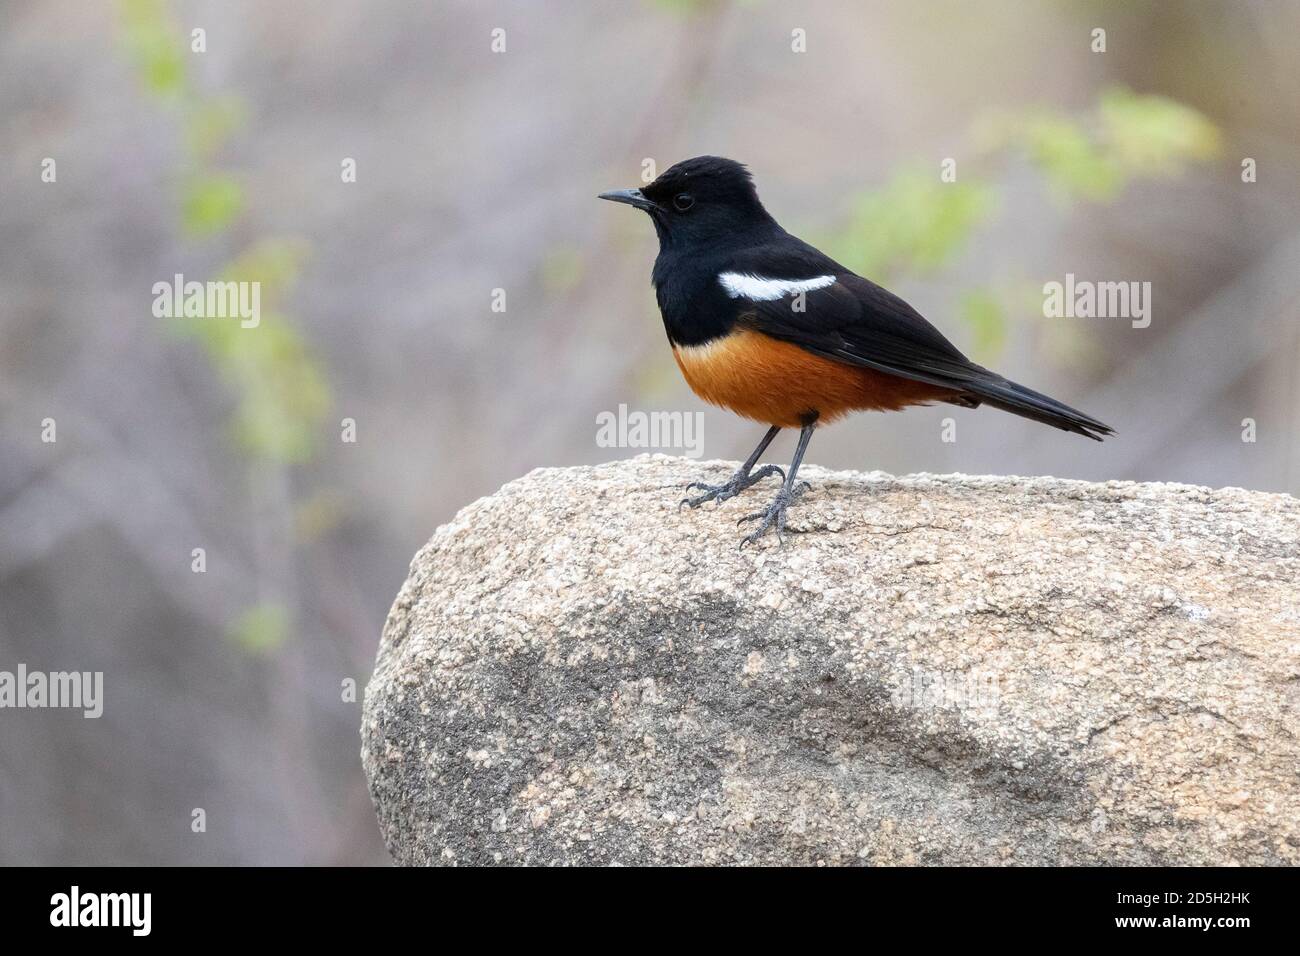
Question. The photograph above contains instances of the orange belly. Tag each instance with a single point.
(775, 382)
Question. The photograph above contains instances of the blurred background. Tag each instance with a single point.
(1169, 158)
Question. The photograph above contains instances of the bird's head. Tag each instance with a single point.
(698, 200)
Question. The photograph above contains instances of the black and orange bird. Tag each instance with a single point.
(764, 324)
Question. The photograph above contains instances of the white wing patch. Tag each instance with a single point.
(742, 286)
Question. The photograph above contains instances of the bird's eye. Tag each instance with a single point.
(683, 201)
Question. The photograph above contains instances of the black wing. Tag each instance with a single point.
(857, 322)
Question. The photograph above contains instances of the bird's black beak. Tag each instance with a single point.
(633, 197)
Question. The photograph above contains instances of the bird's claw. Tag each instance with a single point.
(730, 488)
(774, 515)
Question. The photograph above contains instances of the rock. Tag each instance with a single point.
(933, 670)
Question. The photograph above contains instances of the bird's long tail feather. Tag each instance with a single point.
(1010, 397)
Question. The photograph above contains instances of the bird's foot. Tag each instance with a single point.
(774, 516)
(729, 489)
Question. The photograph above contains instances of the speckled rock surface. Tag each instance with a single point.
(944, 670)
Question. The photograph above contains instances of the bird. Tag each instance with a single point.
(764, 324)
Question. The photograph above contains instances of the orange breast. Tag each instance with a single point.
(775, 382)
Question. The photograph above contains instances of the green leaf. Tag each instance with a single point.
(155, 46)
(210, 204)
(1127, 137)
(913, 224)
(282, 393)
(1072, 162)
(261, 628)
(1153, 135)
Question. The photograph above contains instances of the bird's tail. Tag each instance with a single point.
(1010, 397)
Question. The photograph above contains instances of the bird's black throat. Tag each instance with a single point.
(694, 306)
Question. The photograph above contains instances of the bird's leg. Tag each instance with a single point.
(790, 492)
(742, 479)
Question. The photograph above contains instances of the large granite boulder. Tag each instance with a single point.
(948, 669)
